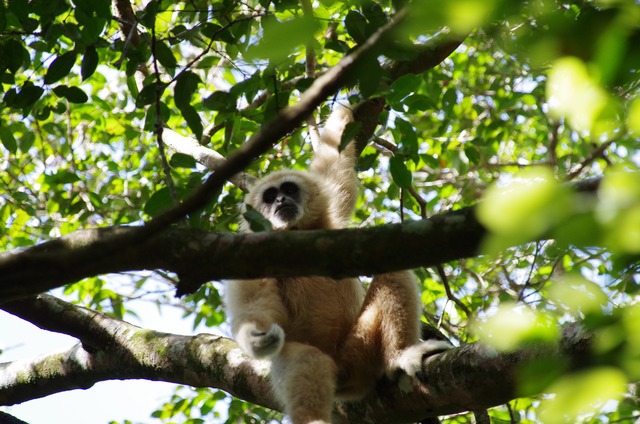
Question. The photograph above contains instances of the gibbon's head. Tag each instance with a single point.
(290, 200)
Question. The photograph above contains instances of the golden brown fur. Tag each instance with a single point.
(325, 339)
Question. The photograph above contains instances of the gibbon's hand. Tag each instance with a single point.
(260, 343)
(411, 359)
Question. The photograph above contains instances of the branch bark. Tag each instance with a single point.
(470, 377)
(197, 256)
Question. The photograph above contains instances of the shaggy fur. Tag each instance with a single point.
(324, 337)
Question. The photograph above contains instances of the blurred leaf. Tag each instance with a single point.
(73, 94)
(89, 62)
(257, 222)
(581, 393)
(159, 202)
(401, 175)
(8, 140)
(528, 206)
(60, 67)
(165, 55)
(350, 132)
(179, 160)
(356, 25)
(280, 38)
(220, 100)
(27, 96)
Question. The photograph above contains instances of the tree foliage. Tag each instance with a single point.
(115, 114)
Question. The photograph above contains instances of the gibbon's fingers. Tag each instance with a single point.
(411, 359)
(259, 343)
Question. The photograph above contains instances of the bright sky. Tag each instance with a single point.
(115, 400)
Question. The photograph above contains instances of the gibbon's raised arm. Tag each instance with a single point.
(335, 168)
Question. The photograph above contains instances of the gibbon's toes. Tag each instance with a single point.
(266, 343)
(411, 359)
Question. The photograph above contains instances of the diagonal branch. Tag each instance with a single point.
(289, 118)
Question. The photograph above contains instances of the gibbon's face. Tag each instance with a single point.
(289, 200)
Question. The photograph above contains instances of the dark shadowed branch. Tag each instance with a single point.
(197, 256)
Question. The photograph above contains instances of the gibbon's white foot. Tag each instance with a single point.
(410, 359)
(259, 343)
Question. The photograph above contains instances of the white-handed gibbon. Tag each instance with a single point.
(324, 337)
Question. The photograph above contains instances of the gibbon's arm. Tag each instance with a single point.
(335, 168)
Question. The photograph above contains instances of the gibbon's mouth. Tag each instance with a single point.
(287, 212)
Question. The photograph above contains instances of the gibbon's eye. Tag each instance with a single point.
(269, 195)
(290, 189)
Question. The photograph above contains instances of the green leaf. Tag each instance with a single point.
(221, 101)
(61, 177)
(8, 140)
(149, 15)
(73, 94)
(165, 55)
(150, 117)
(280, 38)
(186, 85)
(159, 202)
(401, 175)
(149, 92)
(472, 154)
(350, 132)
(3, 16)
(366, 161)
(406, 137)
(369, 77)
(60, 67)
(89, 62)
(27, 96)
(257, 222)
(193, 120)
(13, 54)
(356, 25)
(180, 160)
(404, 86)
(211, 30)
(374, 14)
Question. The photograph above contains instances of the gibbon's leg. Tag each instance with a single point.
(258, 315)
(304, 379)
(385, 337)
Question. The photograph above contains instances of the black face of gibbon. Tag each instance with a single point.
(283, 200)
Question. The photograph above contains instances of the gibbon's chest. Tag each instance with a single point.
(321, 310)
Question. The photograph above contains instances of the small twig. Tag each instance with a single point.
(310, 72)
(447, 289)
(598, 152)
(158, 126)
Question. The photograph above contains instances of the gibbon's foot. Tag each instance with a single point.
(258, 343)
(411, 359)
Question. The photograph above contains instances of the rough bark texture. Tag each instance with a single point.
(470, 377)
(197, 256)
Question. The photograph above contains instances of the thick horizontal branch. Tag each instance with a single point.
(197, 256)
(467, 378)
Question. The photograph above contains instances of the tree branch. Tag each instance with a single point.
(471, 377)
(204, 156)
(197, 256)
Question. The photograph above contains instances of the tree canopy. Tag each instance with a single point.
(498, 157)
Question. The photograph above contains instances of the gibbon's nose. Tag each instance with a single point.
(281, 198)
